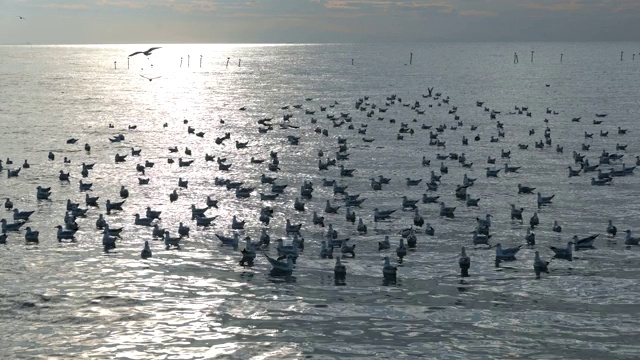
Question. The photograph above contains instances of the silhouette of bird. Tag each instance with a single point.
(147, 53)
(22, 18)
(150, 79)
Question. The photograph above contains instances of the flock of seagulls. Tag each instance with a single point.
(332, 169)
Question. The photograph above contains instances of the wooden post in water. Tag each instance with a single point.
(181, 62)
(561, 57)
(411, 59)
(115, 65)
(188, 60)
(621, 52)
(532, 56)
(228, 61)
(127, 63)
(239, 60)
(351, 61)
(633, 57)
(201, 61)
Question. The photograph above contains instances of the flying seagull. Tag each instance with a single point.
(22, 18)
(147, 53)
(150, 79)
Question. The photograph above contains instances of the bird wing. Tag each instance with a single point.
(153, 48)
(144, 77)
(558, 251)
(588, 239)
(224, 238)
(135, 53)
(274, 263)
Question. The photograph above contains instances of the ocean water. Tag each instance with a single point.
(71, 300)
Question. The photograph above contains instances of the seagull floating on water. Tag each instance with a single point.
(401, 250)
(563, 253)
(326, 252)
(146, 251)
(389, 272)
(8, 204)
(339, 271)
(280, 268)
(507, 254)
(171, 241)
(480, 239)
(612, 230)
(464, 262)
(65, 234)
(348, 249)
(584, 243)
(385, 244)
(530, 238)
(540, 266)
(629, 239)
(31, 236)
(248, 253)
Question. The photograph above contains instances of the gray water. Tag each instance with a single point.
(71, 300)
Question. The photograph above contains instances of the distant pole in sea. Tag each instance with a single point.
(127, 63)
(621, 53)
(239, 62)
(411, 59)
(188, 60)
(515, 58)
(633, 57)
(181, 61)
(115, 65)
(351, 61)
(561, 55)
(531, 56)
(200, 60)
(228, 61)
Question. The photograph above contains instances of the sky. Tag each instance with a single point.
(315, 21)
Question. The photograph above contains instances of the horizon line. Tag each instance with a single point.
(317, 43)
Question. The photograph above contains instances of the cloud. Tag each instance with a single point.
(626, 6)
(182, 6)
(340, 5)
(384, 4)
(320, 20)
(603, 6)
(192, 6)
(477, 13)
(127, 4)
(442, 6)
(356, 4)
(65, 6)
(572, 5)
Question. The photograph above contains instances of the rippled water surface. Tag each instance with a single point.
(69, 300)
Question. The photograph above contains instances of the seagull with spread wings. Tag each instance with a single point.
(22, 18)
(147, 53)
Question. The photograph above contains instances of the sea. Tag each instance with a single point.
(71, 300)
